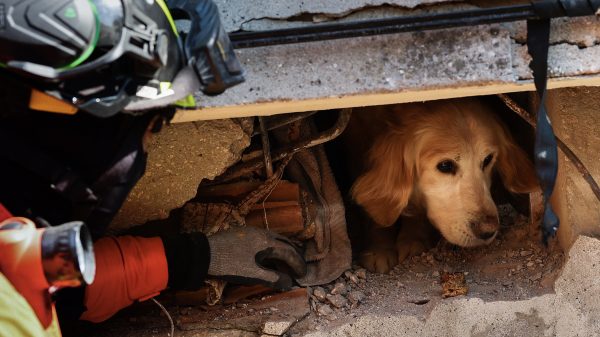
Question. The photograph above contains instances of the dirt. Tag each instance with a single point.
(515, 266)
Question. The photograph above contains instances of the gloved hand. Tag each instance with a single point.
(247, 255)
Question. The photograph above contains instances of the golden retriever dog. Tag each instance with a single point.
(429, 164)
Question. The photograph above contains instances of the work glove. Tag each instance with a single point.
(248, 255)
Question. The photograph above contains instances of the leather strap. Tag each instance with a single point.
(545, 150)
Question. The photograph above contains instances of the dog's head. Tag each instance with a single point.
(439, 158)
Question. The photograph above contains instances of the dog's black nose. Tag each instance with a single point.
(486, 235)
(486, 227)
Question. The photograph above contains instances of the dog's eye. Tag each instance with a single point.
(487, 161)
(447, 166)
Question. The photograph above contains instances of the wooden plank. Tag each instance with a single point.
(337, 102)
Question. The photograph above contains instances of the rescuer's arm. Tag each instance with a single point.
(134, 268)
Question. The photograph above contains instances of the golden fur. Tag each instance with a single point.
(397, 152)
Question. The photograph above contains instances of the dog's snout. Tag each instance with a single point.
(486, 227)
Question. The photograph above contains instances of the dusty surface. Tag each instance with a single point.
(572, 309)
(179, 157)
(515, 268)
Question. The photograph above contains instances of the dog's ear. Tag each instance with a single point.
(384, 189)
(516, 170)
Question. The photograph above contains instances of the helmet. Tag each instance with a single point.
(106, 56)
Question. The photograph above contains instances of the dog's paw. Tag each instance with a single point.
(379, 260)
(407, 247)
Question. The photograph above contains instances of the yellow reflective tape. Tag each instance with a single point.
(188, 102)
(44, 102)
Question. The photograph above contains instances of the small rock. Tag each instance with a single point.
(435, 274)
(324, 310)
(339, 288)
(351, 277)
(337, 301)
(361, 273)
(525, 253)
(538, 261)
(356, 297)
(536, 277)
(277, 328)
(530, 264)
(313, 304)
(319, 294)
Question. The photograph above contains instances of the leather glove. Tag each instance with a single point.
(248, 255)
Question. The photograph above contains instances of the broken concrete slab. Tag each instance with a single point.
(179, 157)
(367, 13)
(573, 310)
(389, 69)
(236, 13)
(371, 64)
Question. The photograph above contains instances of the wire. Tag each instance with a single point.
(168, 316)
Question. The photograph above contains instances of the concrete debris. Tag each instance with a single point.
(324, 310)
(319, 293)
(277, 328)
(337, 301)
(572, 310)
(236, 13)
(351, 276)
(525, 253)
(355, 297)
(339, 288)
(179, 158)
(361, 273)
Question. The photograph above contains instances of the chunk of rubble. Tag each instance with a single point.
(355, 297)
(351, 276)
(337, 301)
(319, 293)
(277, 328)
(340, 288)
(324, 310)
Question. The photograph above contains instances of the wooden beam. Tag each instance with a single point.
(368, 99)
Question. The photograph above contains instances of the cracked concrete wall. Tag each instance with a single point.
(179, 157)
(574, 112)
(392, 68)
